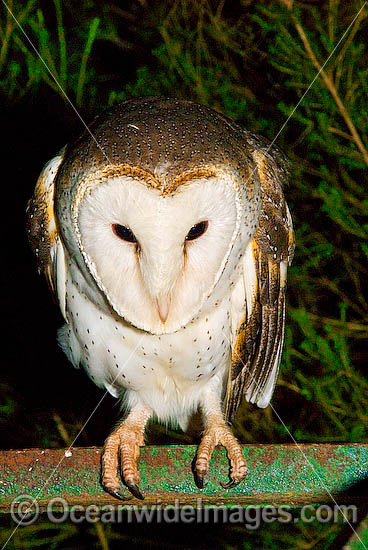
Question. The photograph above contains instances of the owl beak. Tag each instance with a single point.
(163, 305)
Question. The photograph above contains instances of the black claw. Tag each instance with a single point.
(134, 489)
(230, 484)
(199, 480)
(118, 495)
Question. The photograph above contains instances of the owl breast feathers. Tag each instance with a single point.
(164, 233)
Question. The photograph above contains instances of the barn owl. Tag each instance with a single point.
(164, 233)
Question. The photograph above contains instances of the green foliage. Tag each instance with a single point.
(35, 53)
(329, 310)
(253, 61)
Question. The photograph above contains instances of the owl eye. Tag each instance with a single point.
(124, 233)
(197, 231)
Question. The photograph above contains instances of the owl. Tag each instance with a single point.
(164, 234)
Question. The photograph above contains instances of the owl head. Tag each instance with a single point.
(156, 206)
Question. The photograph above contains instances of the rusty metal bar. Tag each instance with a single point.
(277, 474)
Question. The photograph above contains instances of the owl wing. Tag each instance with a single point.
(258, 337)
(43, 233)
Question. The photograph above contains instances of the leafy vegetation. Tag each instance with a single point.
(254, 61)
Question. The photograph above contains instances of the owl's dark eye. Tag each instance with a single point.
(124, 233)
(197, 231)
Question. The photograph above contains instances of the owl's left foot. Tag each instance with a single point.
(121, 451)
(218, 433)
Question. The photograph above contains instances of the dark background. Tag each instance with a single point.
(252, 61)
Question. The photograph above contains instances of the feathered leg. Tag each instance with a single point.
(122, 449)
(217, 432)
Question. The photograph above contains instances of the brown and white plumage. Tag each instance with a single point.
(258, 340)
(43, 233)
(112, 228)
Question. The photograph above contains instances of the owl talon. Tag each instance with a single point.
(118, 495)
(134, 489)
(231, 483)
(199, 480)
(218, 433)
(121, 451)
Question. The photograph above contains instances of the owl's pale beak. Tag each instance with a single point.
(163, 305)
(161, 265)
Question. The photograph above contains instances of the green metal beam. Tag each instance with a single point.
(277, 474)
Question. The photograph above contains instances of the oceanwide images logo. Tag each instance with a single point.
(25, 510)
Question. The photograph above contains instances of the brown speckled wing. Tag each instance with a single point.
(41, 224)
(258, 340)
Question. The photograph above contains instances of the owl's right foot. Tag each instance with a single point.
(120, 453)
